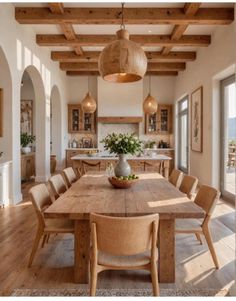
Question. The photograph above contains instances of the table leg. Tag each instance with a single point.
(81, 249)
(166, 245)
(166, 168)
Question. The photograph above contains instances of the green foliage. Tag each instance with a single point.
(122, 143)
(150, 144)
(26, 139)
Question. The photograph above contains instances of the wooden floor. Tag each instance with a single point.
(52, 267)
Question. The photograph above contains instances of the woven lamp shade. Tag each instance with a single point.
(122, 61)
(89, 104)
(150, 105)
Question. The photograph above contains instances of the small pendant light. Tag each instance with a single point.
(89, 104)
(122, 61)
(150, 104)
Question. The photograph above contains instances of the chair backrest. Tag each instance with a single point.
(69, 175)
(90, 166)
(188, 185)
(176, 177)
(58, 185)
(125, 235)
(41, 200)
(206, 198)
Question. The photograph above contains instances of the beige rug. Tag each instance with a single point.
(119, 292)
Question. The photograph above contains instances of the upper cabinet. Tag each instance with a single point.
(160, 122)
(80, 122)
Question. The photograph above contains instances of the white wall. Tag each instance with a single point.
(22, 51)
(213, 64)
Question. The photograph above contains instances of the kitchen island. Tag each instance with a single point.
(138, 164)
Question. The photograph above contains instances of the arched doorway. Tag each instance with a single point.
(56, 125)
(6, 149)
(41, 122)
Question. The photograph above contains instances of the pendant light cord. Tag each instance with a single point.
(150, 84)
(122, 16)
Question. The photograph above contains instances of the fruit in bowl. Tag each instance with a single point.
(123, 182)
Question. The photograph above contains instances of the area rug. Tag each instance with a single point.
(119, 292)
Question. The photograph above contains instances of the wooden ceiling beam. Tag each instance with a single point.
(190, 9)
(94, 66)
(67, 29)
(92, 56)
(103, 40)
(152, 15)
(96, 73)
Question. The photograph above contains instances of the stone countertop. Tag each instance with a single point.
(82, 148)
(100, 157)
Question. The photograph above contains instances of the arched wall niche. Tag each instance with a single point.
(41, 125)
(56, 125)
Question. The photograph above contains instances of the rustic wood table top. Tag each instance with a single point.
(151, 194)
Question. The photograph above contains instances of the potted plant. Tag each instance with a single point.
(25, 140)
(122, 145)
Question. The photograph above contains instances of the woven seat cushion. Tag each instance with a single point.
(59, 225)
(124, 261)
(188, 223)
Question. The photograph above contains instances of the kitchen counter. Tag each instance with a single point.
(142, 158)
(82, 148)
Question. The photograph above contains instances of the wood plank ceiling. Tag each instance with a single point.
(167, 61)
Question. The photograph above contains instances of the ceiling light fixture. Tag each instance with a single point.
(150, 104)
(122, 61)
(89, 104)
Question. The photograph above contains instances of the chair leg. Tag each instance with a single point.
(198, 236)
(44, 240)
(154, 275)
(35, 246)
(207, 235)
(93, 279)
(48, 236)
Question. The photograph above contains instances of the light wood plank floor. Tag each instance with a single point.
(52, 267)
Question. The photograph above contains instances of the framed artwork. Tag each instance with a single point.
(196, 120)
(26, 120)
(1, 112)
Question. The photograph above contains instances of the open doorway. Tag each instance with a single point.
(228, 138)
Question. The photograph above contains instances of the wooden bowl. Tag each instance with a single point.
(123, 184)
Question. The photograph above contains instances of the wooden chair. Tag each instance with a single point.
(69, 176)
(88, 164)
(123, 243)
(41, 200)
(176, 177)
(58, 185)
(153, 167)
(188, 185)
(206, 198)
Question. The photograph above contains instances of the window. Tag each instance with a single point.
(228, 138)
(183, 140)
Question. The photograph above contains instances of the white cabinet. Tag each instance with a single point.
(4, 183)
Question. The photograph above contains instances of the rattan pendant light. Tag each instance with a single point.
(89, 104)
(122, 61)
(150, 104)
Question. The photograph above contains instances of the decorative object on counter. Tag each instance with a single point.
(1, 153)
(163, 144)
(74, 144)
(89, 104)
(53, 163)
(123, 182)
(121, 145)
(150, 144)
(87, 142)
(25, 140)
(150, 104)
(92, 153)
(122, 61)
(196, 120)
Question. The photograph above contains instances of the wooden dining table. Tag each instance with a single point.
(151, 194)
